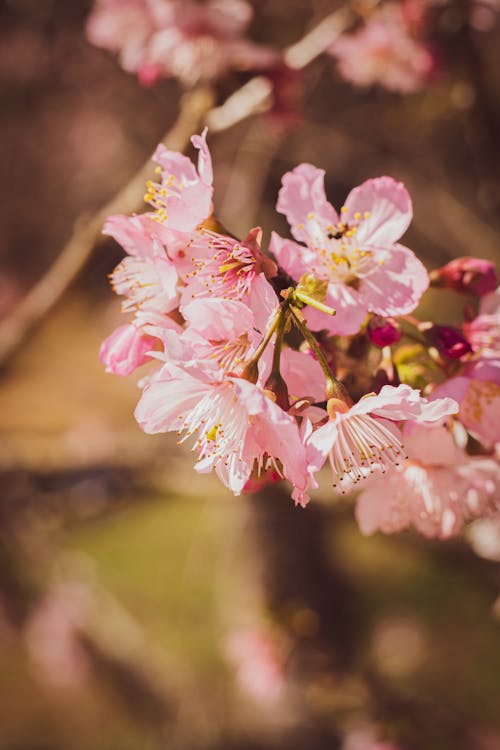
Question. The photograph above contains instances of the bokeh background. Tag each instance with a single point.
(142, 606)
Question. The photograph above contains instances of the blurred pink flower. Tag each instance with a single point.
(184, 39)
(258, 662)
(477, 392)
(53, 633)
(363, 438)
(483, 332)
(437, 489)
(384, 52)
(356, 253)
(467, 275)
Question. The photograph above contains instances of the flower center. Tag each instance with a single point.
(221, 423)
(364, 444)
(338, 256)
(229, 269)
(138, 281)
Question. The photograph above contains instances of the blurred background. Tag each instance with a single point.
(141, 605)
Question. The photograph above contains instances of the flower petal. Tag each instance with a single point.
(387, 207)
(396, 284)
(302, 194)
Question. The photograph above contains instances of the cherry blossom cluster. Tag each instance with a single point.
(181, 39)
(273, 364)
(391, 44)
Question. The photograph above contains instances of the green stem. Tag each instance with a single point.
(334, 388)
(251, 372)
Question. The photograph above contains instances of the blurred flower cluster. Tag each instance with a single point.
(274, 363)
(178, 38)
(389, 44)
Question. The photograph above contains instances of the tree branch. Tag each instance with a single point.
(253, 97)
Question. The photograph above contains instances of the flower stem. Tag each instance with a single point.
(251, 371)
(275, 382)
(308, 300)
(333, 388)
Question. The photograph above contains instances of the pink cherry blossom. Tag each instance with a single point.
(230, 269)
(183, 39)
(147, 278)
(478, 396)
(237, 427)
(437, 489)
(364, 438)
(125, 349)
(483, 332)
(219, 337)
(356, 253)
(182, 200)
(383, 52)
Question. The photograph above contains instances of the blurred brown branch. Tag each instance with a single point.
(87, 232)
(197, 106)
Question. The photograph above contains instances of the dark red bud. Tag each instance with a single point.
(450, 342)
(383, 331)
(467, 275)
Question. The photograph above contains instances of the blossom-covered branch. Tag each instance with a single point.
(214, 314)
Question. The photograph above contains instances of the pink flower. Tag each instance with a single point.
(147, 278)
(124, 26)
(483, 332)
(364, 438)
(126, 349)
(206, 41)
(183, 39)
(220, 336)
(230, 269)
(182, 200)
(236, 426)
(383, 52)
(437, 489)
(477, 392)
(356, 253)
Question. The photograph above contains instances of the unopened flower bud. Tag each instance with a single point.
(336, 406)
(449, 341)
(383, 331)
(278, 388)
(467, 276)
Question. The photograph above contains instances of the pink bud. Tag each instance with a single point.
(383, 331)
(449, 341)
(125, 350)
(467, 276)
